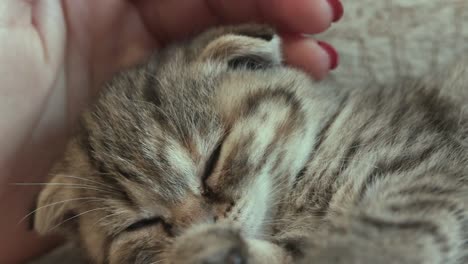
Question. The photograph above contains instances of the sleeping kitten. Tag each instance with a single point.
(216, 152)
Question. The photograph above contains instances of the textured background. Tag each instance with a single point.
(381, 41)
(387, 39)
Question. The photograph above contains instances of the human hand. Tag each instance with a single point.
(56, 54)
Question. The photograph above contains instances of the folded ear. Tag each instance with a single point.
(248, 46)
(54, 213)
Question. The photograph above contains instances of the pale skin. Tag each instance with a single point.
(56, 54)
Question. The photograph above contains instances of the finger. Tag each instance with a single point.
(316, 58)
(31, 45)
(119, 36)
(302, 16)
(105, 36)
(175, 20)
(170, 20)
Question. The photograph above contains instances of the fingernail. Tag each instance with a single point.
(338, 9)
(332, 54)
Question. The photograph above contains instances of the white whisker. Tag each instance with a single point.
(84, 179)
(75, 216)
(108, 216)
(69, 185)
(56, 203)
(159, 261)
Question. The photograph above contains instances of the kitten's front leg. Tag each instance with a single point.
(223, 244)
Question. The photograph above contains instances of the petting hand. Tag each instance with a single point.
(56, 54)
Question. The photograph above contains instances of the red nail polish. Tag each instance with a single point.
(338, 9)
(331, 51)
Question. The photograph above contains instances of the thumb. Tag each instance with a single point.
(32, 46)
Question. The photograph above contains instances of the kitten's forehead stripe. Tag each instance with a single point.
(253, 101)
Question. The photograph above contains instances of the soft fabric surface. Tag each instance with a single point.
(380, 41)
(385, 40)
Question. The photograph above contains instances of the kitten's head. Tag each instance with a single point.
(207, 131)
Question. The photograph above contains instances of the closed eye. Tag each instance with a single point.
(144, 224)
(209, 168)
(251, 62)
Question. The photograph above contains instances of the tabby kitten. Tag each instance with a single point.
(216, 152)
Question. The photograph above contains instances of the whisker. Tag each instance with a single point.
(69, 185)
(155, 251)
(60, 202)
(159, 261)
(75, 216)
(141, 102)
(108, 216)
(84, 179)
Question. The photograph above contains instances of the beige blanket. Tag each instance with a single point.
(382, 41)
(387, 39)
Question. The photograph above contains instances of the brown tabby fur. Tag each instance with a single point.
(216, 152)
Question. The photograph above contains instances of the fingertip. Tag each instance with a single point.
(333, 56)
(309, 56)
(337, 9)
(301, 16)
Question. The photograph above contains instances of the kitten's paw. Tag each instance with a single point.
(210, 244)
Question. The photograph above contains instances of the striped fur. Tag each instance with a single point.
(215, 152)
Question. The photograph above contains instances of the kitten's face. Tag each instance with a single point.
(206, 132)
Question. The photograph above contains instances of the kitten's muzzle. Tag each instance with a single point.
(198, 211)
